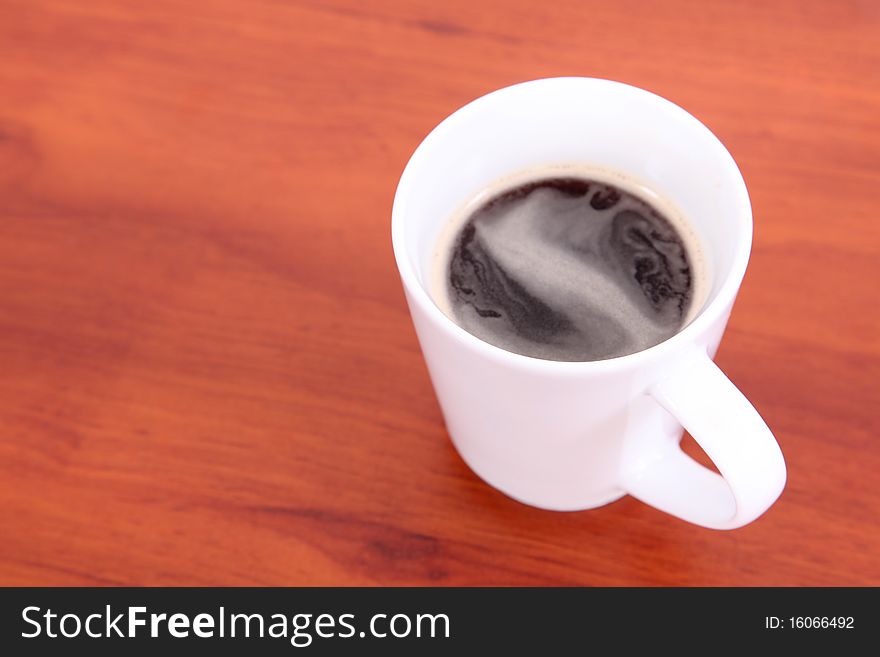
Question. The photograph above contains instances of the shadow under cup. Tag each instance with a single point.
(577, 121)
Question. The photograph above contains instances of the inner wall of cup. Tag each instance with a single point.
(568, 121)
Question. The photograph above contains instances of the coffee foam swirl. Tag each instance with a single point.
(564, 266)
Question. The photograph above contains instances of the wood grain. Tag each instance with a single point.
(207, 370)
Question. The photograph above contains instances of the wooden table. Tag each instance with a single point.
(208, 374)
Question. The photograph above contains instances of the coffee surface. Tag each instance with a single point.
(568, 269)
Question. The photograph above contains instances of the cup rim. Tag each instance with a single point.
(712, 311)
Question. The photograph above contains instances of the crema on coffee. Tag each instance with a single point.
(569, 264)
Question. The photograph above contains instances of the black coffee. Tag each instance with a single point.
(569, 269)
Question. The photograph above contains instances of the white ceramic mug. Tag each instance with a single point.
(576, 435)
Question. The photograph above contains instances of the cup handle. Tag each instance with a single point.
(730, 431)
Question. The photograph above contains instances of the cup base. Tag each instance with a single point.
(581, 505)
(584, 506)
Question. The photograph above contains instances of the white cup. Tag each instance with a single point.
(576, 435)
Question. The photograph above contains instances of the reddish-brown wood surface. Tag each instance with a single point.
(208, 374)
